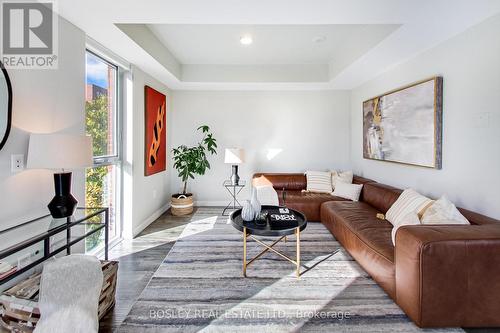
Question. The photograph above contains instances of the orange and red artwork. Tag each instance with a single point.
(156, 128)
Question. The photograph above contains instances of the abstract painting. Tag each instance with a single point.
(155, 144)
(405, 125)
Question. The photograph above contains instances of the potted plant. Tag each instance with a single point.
(191, 161)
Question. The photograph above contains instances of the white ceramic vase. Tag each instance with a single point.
(255, 203)
(247, 213)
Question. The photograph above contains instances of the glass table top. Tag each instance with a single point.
(241, 183)
(47, 223)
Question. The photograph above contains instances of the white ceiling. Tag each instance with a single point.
(162, 37)
(272, 44)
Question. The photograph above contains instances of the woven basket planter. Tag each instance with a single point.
(20, 313)
(182, 204)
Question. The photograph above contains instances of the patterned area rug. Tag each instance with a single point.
(199, 287)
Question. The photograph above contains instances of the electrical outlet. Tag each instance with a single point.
(17, 163)
(27, 259)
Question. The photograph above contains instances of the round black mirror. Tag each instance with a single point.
(5, 105)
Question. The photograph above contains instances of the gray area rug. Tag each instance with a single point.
(199, 287)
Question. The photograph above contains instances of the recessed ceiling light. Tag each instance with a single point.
(246, 40)
(319, 39)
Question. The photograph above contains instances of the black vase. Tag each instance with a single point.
(235, 179)
(63, 204)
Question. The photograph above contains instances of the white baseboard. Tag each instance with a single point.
(137, 230)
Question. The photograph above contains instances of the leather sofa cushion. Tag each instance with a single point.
(280, 181)
(367, 238)
(362, 220)
(306, 197)
(380, 196)
(362, 181)
(307, 203)
(476, 218)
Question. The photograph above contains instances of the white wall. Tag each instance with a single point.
(44, 101)
(470, 66)
(146, 198)
(311, 127)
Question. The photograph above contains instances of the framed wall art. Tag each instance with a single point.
(405, 125)
(156, 139)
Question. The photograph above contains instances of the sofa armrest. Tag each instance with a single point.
(449, 275)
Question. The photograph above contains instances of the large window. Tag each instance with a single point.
(102, 124)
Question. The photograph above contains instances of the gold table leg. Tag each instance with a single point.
(244, 251)
(267, 248)
(297, 233)
(270, 248)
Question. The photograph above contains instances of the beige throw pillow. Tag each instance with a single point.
(341, 176)
(410, 201)
(443, 211)
(409, 219)
(319, 181)
(348, 191)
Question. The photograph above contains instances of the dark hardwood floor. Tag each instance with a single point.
(138, 260)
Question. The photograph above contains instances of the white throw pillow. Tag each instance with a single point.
(319, 181)
(267, 195)
(343, 176)
(348, 191)
(409, 219)
(408, 202)
(443, 211)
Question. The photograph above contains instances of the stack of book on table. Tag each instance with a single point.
(282, 216)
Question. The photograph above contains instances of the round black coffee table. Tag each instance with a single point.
(279, 229)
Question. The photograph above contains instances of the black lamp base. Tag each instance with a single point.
(63, 204)
(235, 179)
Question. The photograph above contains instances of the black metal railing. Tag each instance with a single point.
(45, 238)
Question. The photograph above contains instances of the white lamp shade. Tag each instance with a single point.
(59, 151)
(234, 156)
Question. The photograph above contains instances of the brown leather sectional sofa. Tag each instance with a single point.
(441, 276)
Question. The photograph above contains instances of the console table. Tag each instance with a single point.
(40, 230)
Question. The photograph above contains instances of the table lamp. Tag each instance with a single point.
(234, 156)
(60, 152)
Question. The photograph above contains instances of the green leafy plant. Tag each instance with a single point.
(191, 161)
(96, 121)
